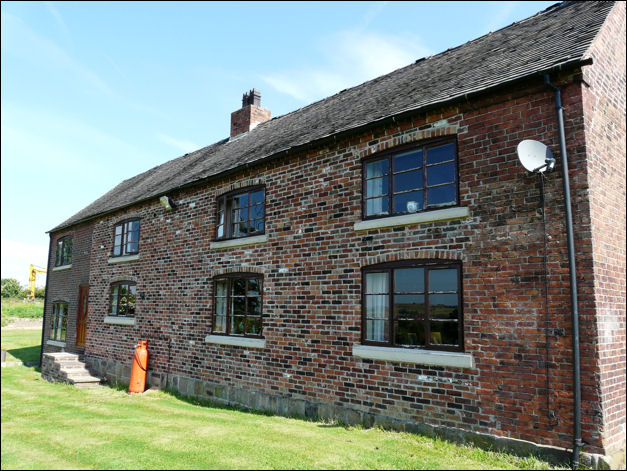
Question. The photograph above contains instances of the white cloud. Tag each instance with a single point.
(59, 20)
(17, 257)
(182, 145)
(350, 58)
(18, 39)
(502, 15)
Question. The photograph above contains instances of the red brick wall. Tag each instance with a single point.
(312, 282)
(604, 113)
(63, 285)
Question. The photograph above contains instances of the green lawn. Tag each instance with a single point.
(19, 308)
(56, 426)
(22, 345)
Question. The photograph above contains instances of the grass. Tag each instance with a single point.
(22, 345)
(56, 426)
(13, 308)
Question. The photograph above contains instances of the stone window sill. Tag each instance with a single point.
(119, 320)
(127, 258)
(236, 341)
(417, 218)
(56, 343)
(62, 267)
(421, 357)
(225, 244)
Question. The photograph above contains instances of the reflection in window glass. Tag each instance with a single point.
(241, 214)
(238, 306)
(425, 305)
(415, 180)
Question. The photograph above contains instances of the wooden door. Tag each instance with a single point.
(81, 316)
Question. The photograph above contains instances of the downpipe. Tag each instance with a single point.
(577, 442)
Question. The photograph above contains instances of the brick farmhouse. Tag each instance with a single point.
(381, 256)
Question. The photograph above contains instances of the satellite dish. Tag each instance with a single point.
(535, 156)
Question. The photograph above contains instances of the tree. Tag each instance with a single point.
(10, 288)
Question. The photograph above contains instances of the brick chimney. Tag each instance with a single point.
(249, 115)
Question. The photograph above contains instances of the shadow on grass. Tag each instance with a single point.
(27, 355)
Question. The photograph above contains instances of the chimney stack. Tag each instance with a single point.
(249, 115)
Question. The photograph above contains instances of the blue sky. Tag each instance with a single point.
(94, 93)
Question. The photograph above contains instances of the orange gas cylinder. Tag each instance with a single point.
(138, 371)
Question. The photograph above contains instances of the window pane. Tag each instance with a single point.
(441, 195)
(131, 302)
(220, 324)
(409, 332)
(408, 202)
(240, 201)
(238, 306)
(123, 306)
(114, 300)
(377, 283)
(221, 306)
(254, 287)
(221, 288)
(443, 280)
(239, 230)
(134, 226)
(257, 197)
(254, 306)
(377, 330)
(257, 212)
(237, 325)
(377, 187)
(63, 326)
(443, 173)
(444, 333)
(257, 225)
(69, 251)
(409, 306)
(133, 236)
(239, 287)
(253, 325)
(53, 320)
(443, 306)
(377, 168)
(377, 206)
(221, 230)
(408, 160)
(440, 154)
(377, 306)
(409, 280)
(118, 230)
(411, 180)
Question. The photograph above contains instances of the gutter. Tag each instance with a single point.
(577, 442)
(339, 135)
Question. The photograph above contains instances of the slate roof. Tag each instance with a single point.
(557, 37)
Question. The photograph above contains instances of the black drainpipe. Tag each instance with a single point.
(43, 318)
(577, 442)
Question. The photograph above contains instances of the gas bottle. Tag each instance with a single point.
(138, 371)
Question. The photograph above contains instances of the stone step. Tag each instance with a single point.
(83, 378)
(69, 368)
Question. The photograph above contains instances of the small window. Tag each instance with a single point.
(58, 322)
(414, 304)
(126, 238)
(237, 305)
(64, 251)
(241, 214)
(410, 180)
(122, 302)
